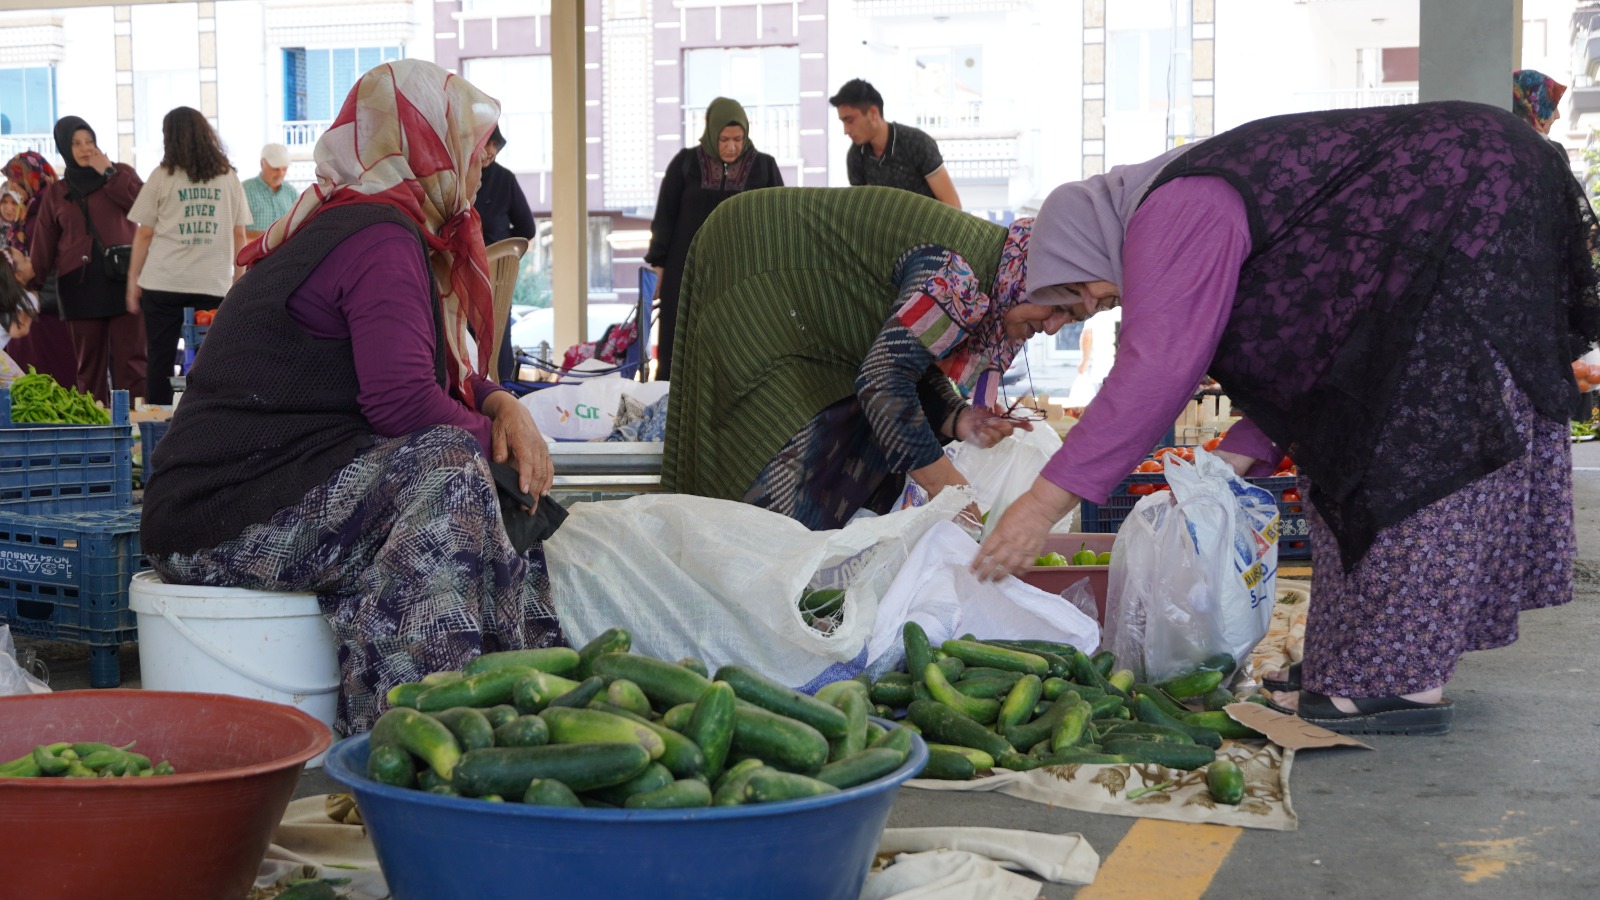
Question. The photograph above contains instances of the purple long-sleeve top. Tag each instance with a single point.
(372, 290)
(1180, 259)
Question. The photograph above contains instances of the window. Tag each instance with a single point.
(765, 81)
(27, 100)
(522, 85)
(598, 250)
(1400, 64)
(948, 90)
(316, 81)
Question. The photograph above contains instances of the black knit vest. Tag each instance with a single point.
(268, 412)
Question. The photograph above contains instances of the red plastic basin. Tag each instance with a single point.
(1056, 579)
(197, 835)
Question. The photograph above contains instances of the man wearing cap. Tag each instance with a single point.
(269, 197)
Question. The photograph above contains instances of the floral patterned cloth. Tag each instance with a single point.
(407, 555)
(28, 174)
(1534, 96)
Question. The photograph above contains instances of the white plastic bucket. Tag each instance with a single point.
(260, 644)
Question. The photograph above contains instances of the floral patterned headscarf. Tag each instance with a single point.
(982, 351)
(27, 174)
(1534, 96)
(406, 136)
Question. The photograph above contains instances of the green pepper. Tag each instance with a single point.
(1084, 556)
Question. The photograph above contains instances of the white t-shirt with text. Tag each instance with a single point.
(192, 250)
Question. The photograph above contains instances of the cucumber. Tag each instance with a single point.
(778, 740)
(405, 694)
(1149, 712)
(772, 786)
(874, 730)
(710, 726)
(1084, 672)
(1194, 683)
(1070, 728)
(508, 771)
(1122, 680)
(1147, 729)
(523, 731)
(974, 653)
(848, 699)
(980, 759)
(1018, 762)
(425, 736)
(1105, 662)
(981, 711)
(677, 718)
(549, 792)
(868, 765)
(919, 652)
(428, 779)
(589, 726)
(687, 793)
(1173, 756)
(730, 791)
(1060, 666)
(578, 697)
(695, 665)
(485, 689)
(1018, 705)
(534, 691)
(919, 691)
(470, 726)
(666, 684)
(653, 778)
(988, 688)
(499, 715)
(1225, 781)
(946, 726)
(947, 766)
(444, 790)
(555, 660)
(434, 679)
(1162, 699)
(1108, 704)
(952, 668)
(1024, 736)
(1217, 699)
(736, 769)
(1054, 687)
(1223, 724)
(821, 602)
(682, 756)
(1036, 646)
(393, 765)
(897, 738)
(625, 694)
(773, 697)
(612, 640)
(1220, 662)
(895, 694)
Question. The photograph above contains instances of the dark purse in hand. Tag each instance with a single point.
(116, 259)
(525, 529)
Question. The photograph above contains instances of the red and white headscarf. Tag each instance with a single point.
(406, 136)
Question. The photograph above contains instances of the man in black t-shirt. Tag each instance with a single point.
(504, 210)
(888, 153)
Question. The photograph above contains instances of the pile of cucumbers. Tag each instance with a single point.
(605, 727)
(1025, 704)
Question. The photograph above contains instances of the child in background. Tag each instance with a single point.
(17, 311)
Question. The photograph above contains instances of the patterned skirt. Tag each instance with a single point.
(405, 550)
(1451, 577)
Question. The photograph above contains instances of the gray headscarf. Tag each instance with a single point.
(1077, 236)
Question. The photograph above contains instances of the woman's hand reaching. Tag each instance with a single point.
(986, 427)
(1018, 537)
(517, 441)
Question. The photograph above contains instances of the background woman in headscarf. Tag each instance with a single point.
(1534, 97)
(1393, 297)
(824, 334)
(335, 432)
(48, 345)
(724, 163)
(104, 334)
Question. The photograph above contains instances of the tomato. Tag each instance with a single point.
(1286, 464)
(1140, 490)
(1163, 487)
(1292, 495)
(1186, 454)
(1169, 450)
(1212, 444)
(203, 316)
(1149, 465)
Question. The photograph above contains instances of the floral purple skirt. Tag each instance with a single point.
(1450, 578)
(406, 552)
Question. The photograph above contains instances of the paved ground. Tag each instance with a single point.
(1503, 807)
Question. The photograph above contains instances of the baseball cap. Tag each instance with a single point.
(275, 155)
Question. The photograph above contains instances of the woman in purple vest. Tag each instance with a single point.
(336, 430)
(1392, 296)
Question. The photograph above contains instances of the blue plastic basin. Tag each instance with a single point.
(441, 848)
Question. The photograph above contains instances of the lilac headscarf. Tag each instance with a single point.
(1078, 233)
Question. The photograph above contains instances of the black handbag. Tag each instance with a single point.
(116, 259)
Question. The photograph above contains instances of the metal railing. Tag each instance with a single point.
(42, 144)
(774, 130)
(1355, 98)
(962, 115)
(302, 134)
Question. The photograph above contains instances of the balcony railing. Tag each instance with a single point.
(965, 116)
(42, 144)
(773, 129)
(302, 135)
(1355, 98)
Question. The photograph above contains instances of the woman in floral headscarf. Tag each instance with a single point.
(336, 428)
(48, 345)
(1534, 96)
(824, 334)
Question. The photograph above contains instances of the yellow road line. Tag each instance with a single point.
(1170, 860)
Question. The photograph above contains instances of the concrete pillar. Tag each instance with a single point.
(569, 207)
(1469, 49)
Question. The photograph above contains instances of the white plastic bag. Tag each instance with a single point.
(720, 580)
(1193, 570)
(1002, 473)
(14, 679)
(585, 409)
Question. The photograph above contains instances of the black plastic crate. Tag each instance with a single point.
(1294, 538)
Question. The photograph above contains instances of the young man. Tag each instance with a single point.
(269, 197)
(504, 211)
(889, 153)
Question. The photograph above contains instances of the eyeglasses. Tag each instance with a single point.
(1016, 412)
